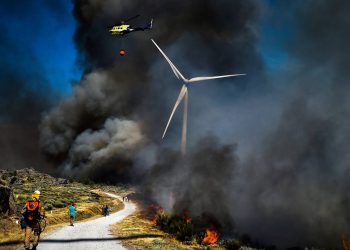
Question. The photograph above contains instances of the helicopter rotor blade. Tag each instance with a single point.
(124, 21)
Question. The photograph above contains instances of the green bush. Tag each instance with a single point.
(59, 204)
(86, 181)
(48, 207)
(232, 244)
(21, 199)
(3, 182)
(185, 231)
(176, 225)
(163, 221)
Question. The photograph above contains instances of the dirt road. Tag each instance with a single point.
(92, 234)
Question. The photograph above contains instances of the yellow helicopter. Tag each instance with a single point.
(122, 28)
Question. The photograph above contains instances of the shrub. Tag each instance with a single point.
(13, 180)
(185, 231)
(162, 221)
(232, 244)
(65, 201)
(48, 207)
(59, 204)
(3, 182)
(87, 181)
(176, 225)
(20, 199)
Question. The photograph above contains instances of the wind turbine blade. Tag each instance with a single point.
(175, 70)
(204, 78)
(179, 98)
(184, 125)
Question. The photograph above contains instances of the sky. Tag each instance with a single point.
(45, 30)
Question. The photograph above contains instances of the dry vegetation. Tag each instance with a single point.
(56, 199)
(139, 231)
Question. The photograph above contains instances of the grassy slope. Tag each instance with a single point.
(138, 227)
(88, 200)
(143, 234)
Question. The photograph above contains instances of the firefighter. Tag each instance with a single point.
(33, 212)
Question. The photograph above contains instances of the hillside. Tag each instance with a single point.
(56, 195)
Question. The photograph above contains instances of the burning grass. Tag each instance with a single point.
(185, 228)
(211, 236)
(179, 226)
(152, 228)
(346, 242)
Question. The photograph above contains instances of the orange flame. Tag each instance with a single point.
(211, 236)
(156, 210)
(346, 243)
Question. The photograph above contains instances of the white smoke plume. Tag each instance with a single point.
(89, 101)
(117, 139)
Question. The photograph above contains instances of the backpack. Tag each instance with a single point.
(23, 223)
(32, 214)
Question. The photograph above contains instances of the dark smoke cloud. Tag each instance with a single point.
(130, 87)
(297, 182)
(292, 128)
(20, 109)
(197, 183)
(117, 141)
(24, 90)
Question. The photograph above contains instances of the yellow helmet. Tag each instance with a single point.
(36, 195)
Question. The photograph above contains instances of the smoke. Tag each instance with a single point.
(134, 87)
(291, 127)
(24, 88)
(117, 140)
(197, 183)
(296, 182)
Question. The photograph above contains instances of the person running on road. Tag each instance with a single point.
(71, 212)
(33, 212)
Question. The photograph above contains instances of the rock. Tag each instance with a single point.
(7, 201)
(14, 181)
(2, 181)
(62, 181)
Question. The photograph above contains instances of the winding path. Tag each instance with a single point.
(92, 234)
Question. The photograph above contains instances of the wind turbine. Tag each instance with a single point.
(184, 94)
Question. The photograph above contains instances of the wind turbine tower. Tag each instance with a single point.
(184, 95)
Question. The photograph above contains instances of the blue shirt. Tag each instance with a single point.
(72, 210)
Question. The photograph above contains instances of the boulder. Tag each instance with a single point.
(7, 201)
(62, 181)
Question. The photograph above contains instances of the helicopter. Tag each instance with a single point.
(122, 28)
